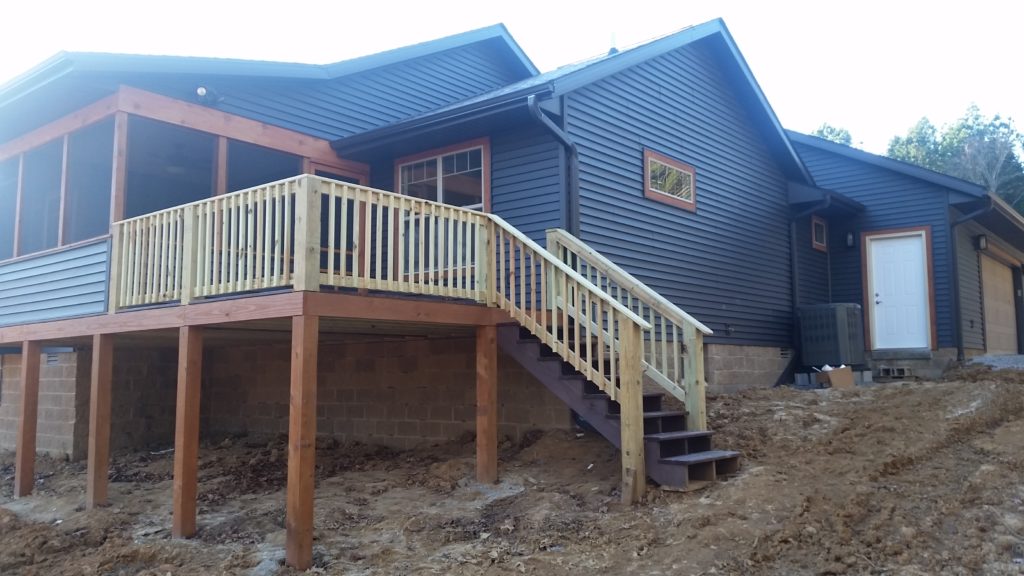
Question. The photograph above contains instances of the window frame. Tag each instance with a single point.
(484, 144)
(663, 197)
(815, 221)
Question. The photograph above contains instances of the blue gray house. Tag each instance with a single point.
(407, 246)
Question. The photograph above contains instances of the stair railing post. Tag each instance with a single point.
(307, 235)
(114, 279)
(491, 280)
(630, 397)
(693, 373)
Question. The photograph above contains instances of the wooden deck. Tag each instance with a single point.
(306, 258)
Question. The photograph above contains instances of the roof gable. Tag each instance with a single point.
(71, 80)
(575, 76)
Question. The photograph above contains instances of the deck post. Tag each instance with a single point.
(98, 466)
(302, 442)
(307, 235)
(634, 473)
(186, 431)
(693, 368)
(25, 456)
(487, 404)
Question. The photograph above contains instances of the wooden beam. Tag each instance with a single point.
(634, 473)
(99, 421)
(189, 115)
(78, 119)
(487, 404)
(119, 175)
(25, 455)
(403, 310)
(18, 201)
(220, 186)
(61, 220)
(261, 307)
(302, 442)
(186, 431)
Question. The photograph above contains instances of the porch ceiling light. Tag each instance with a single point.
(981, 242)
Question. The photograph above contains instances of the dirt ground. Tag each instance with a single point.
(904, 478)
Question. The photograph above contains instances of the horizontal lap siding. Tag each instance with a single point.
(727, 264)
(59, 285)
(358, 102)
(892, 200)
(972, 310)
(812, 265)
(526, 181)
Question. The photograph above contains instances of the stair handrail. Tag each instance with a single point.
(679, 372)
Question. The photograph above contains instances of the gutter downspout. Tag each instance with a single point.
(794, 275)
(571, 218)
(954, 258)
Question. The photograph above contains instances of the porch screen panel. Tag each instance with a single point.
(250, 165)
(40, 198)
(167, 166)
(90, 165)
(8, 205)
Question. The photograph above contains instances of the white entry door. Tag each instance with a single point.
(898, 291)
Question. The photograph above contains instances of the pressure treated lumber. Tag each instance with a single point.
(487, 404)
(25, 454)
(98, 465)
(186, 431)
(301, 442)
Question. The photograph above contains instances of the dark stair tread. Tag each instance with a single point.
(682, 434)
(699, 457)
(658, 414)
(600, 395)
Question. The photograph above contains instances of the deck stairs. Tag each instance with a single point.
(675, 458)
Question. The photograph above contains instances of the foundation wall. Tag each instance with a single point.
(729, 368)
(59, 404)
(399, 394)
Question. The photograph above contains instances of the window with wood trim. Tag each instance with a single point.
(670, 181)
(819, 233)
(457, 175)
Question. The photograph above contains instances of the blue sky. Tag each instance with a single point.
(872, 67)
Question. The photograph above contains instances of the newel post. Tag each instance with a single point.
(693, 368)
(114, 288)
(634, 473)
(188, 254)
(307, 235)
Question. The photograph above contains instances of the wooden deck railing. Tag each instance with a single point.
(674, 342)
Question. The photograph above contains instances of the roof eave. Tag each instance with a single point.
(357, 143)
(894, 165)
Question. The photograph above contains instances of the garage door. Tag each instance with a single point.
(1000, 312)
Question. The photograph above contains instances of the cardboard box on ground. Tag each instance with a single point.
(839, 378)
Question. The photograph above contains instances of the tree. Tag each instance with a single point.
(977, 148)
(830, 132)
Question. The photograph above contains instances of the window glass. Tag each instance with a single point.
(250, 165)
(167, 166)
(90, 166)
(669, 180)
(40, 198)
(461, 181)
(8, 205)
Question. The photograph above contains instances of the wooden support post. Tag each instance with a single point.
(99, 421)
(302, 442)
(634, 473)
(186, 431)
(487, 404)
(693, 374)
(25, 456)
(307, 235)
